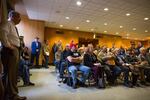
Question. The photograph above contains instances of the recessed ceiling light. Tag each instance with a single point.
(146, 18)
(92, 29)
(79, 3)
(67, 17)
(61, 25)
(87, 21)
(117, 33)
(127, 34)
(94, 36)
(128, 14)
(105, 31)
(134, 29)
(105, 24)
(106, 9)
(146, 31)
(121, 26)
(77, 28)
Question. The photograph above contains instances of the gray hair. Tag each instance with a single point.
(13, 13)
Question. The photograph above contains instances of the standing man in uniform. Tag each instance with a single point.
(10, 55)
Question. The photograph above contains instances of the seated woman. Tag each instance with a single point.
(24, 67)
(57, 59)
(90, 60)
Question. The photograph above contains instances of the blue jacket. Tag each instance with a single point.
(34, 48)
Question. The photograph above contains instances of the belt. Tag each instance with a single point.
(9, 48)
(16, 47)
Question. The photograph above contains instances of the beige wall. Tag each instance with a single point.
(30, 29)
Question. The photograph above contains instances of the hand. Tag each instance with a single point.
(11, 47)
(97, 64)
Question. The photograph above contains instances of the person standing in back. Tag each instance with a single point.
(10, 55)
(46, 50)
(35, 51)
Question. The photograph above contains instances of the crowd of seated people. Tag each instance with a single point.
(106, 65)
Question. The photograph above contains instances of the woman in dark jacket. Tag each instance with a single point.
(90, 60)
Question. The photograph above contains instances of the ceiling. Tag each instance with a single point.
(53, 12)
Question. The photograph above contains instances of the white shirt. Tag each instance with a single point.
(36, 44)
(8, 34)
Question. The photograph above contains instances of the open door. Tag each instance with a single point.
(85, 41)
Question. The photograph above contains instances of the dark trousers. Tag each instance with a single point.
(46, 61)
(10, 63)
(1, 89)
(33, 56)
(1, 84)
(24, 71)
(116, 72)
(134, 78)
(57, 65)
(108, 73)
(97, 72)
(147, 74)
(63, 65)
(112, 72)
(125, 70)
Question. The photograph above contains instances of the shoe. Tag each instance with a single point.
(82, 84)
(31, 84)
(19, 98)
(74, 86)
(138, 85)
(129, 85)
(65, 80)
(144, 83)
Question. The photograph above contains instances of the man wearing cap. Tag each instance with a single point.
(10, 55)
(74, 64)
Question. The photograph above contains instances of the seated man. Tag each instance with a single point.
(144, 65)
(57, 59)
(107, 60)
(120, 62)
(90, 60)
(74, 64)
(63, 61)
(24, 67)
(131, 61)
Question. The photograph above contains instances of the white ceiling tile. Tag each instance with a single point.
(55, 11)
